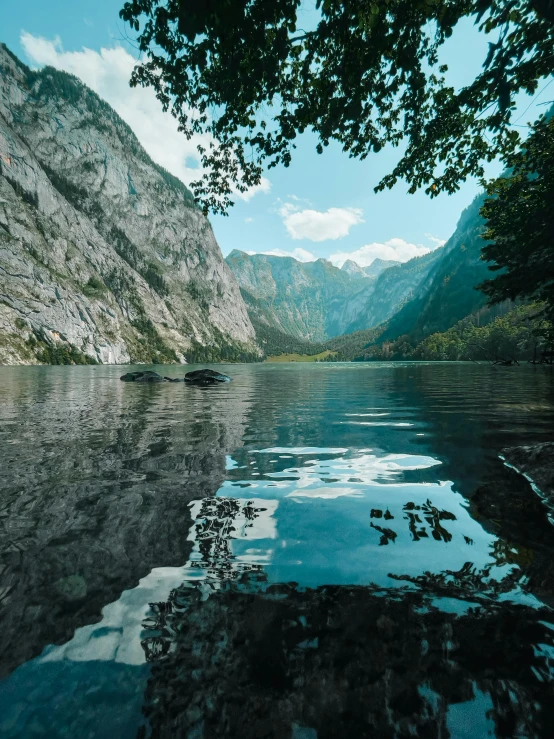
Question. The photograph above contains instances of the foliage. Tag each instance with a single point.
(151, 346)
(326, 356)
(28, 197)
(153, 276)
(520, 223)
(58, 353)
(200, 293)
(93, 288)
(274, 342)
(350, 346)
(72, 193)
(339, 349)
(222, 350)
(520, 333)
(367, 74)
(150, 271)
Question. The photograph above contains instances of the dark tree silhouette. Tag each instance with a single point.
(520, 224)
(364, 73)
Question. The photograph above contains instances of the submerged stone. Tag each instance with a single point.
(206, 377)
(147, 376)
(536, 462)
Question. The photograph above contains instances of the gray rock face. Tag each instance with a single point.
(353, 269)
(316, 301)
(378, 266)
(313, 300)
(103, 254)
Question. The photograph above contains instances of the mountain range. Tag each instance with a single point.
(316, 301)
(408, 301)
(104, 256)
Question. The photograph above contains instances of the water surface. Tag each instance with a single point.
(296, 553)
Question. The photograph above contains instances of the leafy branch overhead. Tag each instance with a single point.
(247, 75)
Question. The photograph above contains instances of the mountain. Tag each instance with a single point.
(450, 294)
(307, 300)
(378, 266)
(392, 315)
(394, 288)
(446, 317)
(353, 269)
(103, 255)
(315, 301)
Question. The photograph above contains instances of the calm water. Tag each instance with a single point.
(299, 553)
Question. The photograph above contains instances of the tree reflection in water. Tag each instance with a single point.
(257, 660)
(234, 655)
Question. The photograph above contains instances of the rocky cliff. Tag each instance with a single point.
(316, 301)
(449, 293)
(312, 300)
(103, 255)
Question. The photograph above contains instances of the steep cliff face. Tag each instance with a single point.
(312, 300)
(450, 291)
(316, 301)
(103, 255)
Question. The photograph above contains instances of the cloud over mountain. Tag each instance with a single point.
(394, 249)
(108, 72)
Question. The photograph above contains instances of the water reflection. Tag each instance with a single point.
(278, 661)
(296, 542)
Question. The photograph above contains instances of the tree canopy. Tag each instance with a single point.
(248, 76)
(520, 223)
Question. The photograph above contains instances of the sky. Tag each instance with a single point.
(320, 206)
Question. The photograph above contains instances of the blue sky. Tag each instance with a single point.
(322, 205)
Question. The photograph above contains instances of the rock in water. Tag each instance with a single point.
(146, 376)
(536, 462)
(206, 377)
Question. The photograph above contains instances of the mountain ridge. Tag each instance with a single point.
(316, 301)
(103, 255)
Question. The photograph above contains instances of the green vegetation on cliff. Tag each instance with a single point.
(519, 333)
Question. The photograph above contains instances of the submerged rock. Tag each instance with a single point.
(206, 377)
(273, 660)
(197, 377)
(144, 376)
(536, 462)
(73, 587)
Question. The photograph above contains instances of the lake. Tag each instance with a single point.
(309, 551)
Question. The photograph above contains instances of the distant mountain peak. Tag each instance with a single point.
(353, 269)
(379, 265)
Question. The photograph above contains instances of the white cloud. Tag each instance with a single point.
(393, 249)
(248, 220)
(335, 223)
(299, 254)
(107, 72)
(436, 241)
